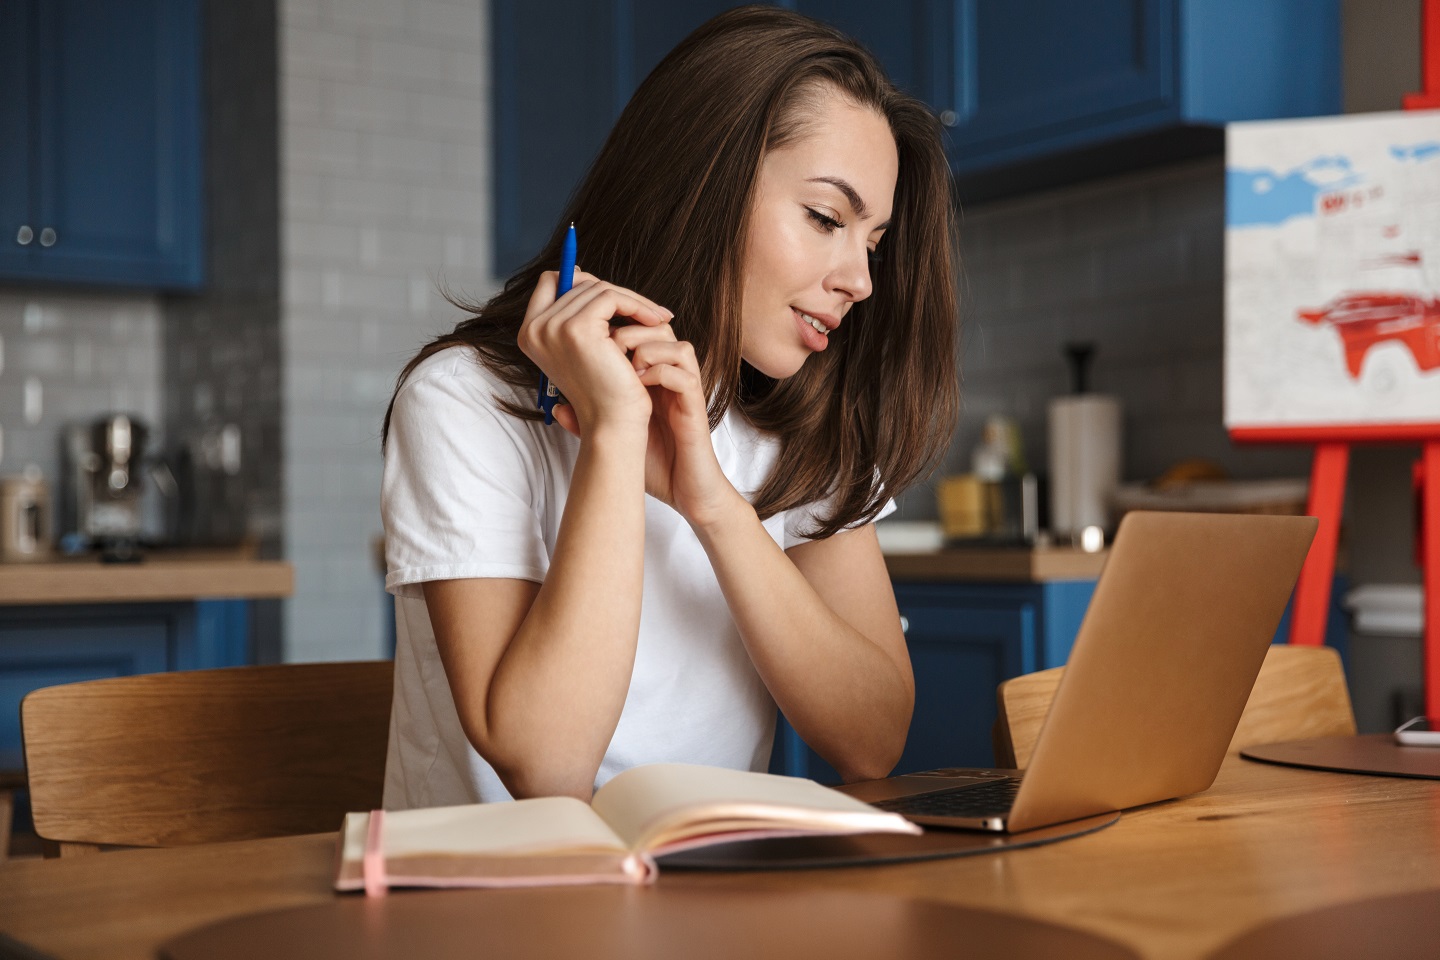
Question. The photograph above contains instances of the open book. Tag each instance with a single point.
(640, 814)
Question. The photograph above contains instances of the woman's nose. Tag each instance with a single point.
(851, 276)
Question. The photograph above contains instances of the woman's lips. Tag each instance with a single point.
(811, 337)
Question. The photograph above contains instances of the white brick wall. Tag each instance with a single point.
(384, 189)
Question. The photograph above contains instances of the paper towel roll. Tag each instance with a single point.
(1084, 461)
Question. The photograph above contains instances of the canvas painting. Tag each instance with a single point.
(1332, 271)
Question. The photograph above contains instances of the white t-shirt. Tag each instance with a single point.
(471, 491)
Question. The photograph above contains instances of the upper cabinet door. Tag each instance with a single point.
(553, 103)
(563, 72)
(1024, 71)
(119, 140)
(905, 35)
(17, 233)
(114, 110)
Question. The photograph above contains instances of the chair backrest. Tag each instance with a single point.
(202, 756)
(1299, 694)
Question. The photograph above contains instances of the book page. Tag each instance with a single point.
(549, 825)
(663, 804)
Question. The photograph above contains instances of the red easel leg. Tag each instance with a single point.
(1429, 98)
(1430, 572)
(1327, 502)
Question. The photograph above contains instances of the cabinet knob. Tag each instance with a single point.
(24, 235)
(904, 624)
(949, 118)
(47, 237)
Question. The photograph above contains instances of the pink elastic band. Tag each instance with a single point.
(372, 866)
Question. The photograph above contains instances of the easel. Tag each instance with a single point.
(1332, 457)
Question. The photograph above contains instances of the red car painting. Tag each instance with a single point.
(1365, 319)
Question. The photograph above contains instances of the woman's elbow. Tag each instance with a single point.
(873, 767)
(528, 781)
(872, 758)
(532, 769)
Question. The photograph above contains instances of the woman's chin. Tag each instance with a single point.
(779, 366)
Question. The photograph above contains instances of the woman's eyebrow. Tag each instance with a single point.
(851, 194)
(857, 203)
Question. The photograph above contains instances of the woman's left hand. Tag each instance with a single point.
(680, 465)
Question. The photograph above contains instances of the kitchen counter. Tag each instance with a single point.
(171, 575)
(995, 564)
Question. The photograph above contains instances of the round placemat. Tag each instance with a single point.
(1402, 926)
(1373, 753)
(634, 923)
(790, 853)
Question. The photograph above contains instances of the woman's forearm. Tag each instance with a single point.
(557, 692)
(846, 695)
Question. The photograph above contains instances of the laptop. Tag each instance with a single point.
(1173, 639)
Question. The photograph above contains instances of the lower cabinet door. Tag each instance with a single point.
(964, 639)
(42, 649)
(43, 646)
(962, 645)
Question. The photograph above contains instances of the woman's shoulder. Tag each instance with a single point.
(460, 362)
(458, 372)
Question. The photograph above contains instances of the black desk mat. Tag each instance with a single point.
(805, 853)
(1374, 754)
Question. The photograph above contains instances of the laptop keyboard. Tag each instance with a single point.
(990, 799)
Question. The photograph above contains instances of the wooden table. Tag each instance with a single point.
(1173, 880)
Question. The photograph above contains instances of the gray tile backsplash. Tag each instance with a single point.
(222, 353)
(1135, 265)
(67, 357)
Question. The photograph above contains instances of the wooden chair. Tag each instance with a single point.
(1299, 694)
(202, 756)
(11, 781)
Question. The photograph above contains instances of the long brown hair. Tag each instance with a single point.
(664, 210)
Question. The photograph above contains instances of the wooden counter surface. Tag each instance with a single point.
(163, 576)
(996, 564)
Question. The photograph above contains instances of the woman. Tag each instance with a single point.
(758, 352)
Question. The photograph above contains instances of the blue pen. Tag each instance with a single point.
(548, 395)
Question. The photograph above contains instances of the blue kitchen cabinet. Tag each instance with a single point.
(1032, 76)
(1022, 81)
(563, 71)
(964, 639)
(903, 35)
(101, 159)
(1027, 80)
(16, 124)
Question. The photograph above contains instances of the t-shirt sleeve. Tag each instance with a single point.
(801, 521)
(459, 489)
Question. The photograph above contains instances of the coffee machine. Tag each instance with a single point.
(102, 485)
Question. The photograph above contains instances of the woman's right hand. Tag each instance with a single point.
(569, 338)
